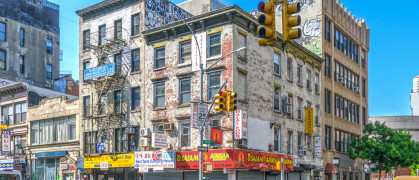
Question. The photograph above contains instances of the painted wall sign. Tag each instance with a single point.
(60, 85)
(309, 121)
(114, 161)
(217, 136)
(317, 146)
(5, 141)
(157, 13)
(202, 42)
(6, 164)
(154, 159)
(158, 140)
(100, 71)
(240, 124)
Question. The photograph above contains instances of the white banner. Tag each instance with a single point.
(317, 146)
(154, 159)
(194, 114)
(240, 124)
(202, 41)
(158, 140)
(5, 136)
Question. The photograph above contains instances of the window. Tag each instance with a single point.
(22, 37)
(242, 42)
(288, 106)
(327, 102)
(308, 79)
(159, 95)
(364, 116)
(185, 52)
(118, 29)
(289, 70)
(300, 109)
(159, 58)
(49, 71)
(299, 75)
(317, 120)
(2, 59)
(346, 45)
(344, 176)
(300, 142)
(117, 58)
(185, 135)
(327, 29)
(118, 101)
(102, 35)
(242, 89)
(2, 31)
(135, 24)
(158, 128)
(86, 39)
(62, 129)
(316, 83)
(290, 143)
(135, 57)
(102, 103)
(184, 91)
(19, 144)
(363, 58)
(277, 97)
(86, 65)
(135, 98)
(277, 138)
(35, 132)
(277, 63)
(20, 113)
(10, 114)
(346, 77)
(346, 109)
(309, 145)
(364, 84)
(125, 142)
(338, 140)
(328, 138)
(327, 68)
(214, 45)
(49, 46)
(22, 64)
(214, 84)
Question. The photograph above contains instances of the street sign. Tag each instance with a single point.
(208, 142)
(202, 113)
(202, 149)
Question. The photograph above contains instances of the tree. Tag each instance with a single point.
(384, 147)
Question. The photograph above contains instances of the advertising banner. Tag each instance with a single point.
(217, 136)
(318, 147)
(202, 43)
(158, 140)
(154, 159)
(114, 161)
(222, 158)
(105, 70)
(194, 114)
(19, 164)
(240, 124)
(5, 137)
(309, 121)
(6, 164)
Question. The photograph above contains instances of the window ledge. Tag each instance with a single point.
(184, 105)
(301, 120)
(86, 50)
(135, 36)
(135, 72)
(277, 75)
(290, 117)
(159, 109)
(277, 111)
(317, 93)
(290, 81)
(309, 89)
(243, 101)
(159, 69)
(214, 58)
(300, 85)
(184, 65)
(135, 110)
(242, 59)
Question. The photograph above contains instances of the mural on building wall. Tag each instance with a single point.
(315, 47)
(157, 13)
(60, 85)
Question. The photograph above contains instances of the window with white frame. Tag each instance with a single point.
(290, 143)
(185, 52)
(277, 138)
(86, 39)
(20, 112)
(159, 95)
(214, 84)
(277, 97)
(185, 133)
(277, 63)
(214, 45)
(184, 91)
(55, 130)
(159, 57)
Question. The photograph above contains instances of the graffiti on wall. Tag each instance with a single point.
(304, 4)
(315, 47)
(60, 85)
(157, 13)
(312, 28)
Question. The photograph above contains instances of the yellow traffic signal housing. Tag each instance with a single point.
(232, 101)
(279, 166)
(289, 21)
(266, 19)
(221, 101)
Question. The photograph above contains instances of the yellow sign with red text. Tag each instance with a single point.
(309, 121)
(114, 161)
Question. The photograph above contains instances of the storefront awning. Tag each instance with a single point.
(330, 169)
(51, 154)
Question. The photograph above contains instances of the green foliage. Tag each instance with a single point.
(413, 168)
(384, 147)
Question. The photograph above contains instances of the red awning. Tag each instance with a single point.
(330, 169)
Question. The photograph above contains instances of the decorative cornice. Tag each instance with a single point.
(304, 55)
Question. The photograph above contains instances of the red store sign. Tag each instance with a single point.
(239, 159)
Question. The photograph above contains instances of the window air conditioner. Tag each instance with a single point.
(145, 142)
(145, 132)
(168, 127)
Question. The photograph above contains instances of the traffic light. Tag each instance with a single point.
(289, 21)
(266, 19)
(221, 101)
(279, 166)
(232, 101)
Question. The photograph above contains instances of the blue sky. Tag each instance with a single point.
(393, 56)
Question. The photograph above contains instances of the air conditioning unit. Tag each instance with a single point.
(145, 142)
(301, 153)
(145, 132)
(356, 89)
(168, 127)
(242, 143)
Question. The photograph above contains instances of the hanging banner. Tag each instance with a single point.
(240, 124)
(194, 114)
(5, 137)
(6, 164)
(154, 159)
(158, 140)
(317, 146)
(309, 121)
(217, 136)
(202, 42)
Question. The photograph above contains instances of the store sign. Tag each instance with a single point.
(19, 164)
(309, 121)
(104, 166)
(5, 141)
(317, 146)
(3, 127)
(72, 166)
(240, 124)
(6, 164)
(64, 166)
(80, 163)
(217, 136)
(158, 140)
(154, 159)
(190, 159)
(114, 161)
(259, 160)
(105, 70)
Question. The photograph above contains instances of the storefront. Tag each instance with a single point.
(110, 167)
(53, 165)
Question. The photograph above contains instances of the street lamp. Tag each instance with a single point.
(201, 101)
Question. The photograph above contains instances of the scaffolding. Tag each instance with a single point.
(108, 109)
